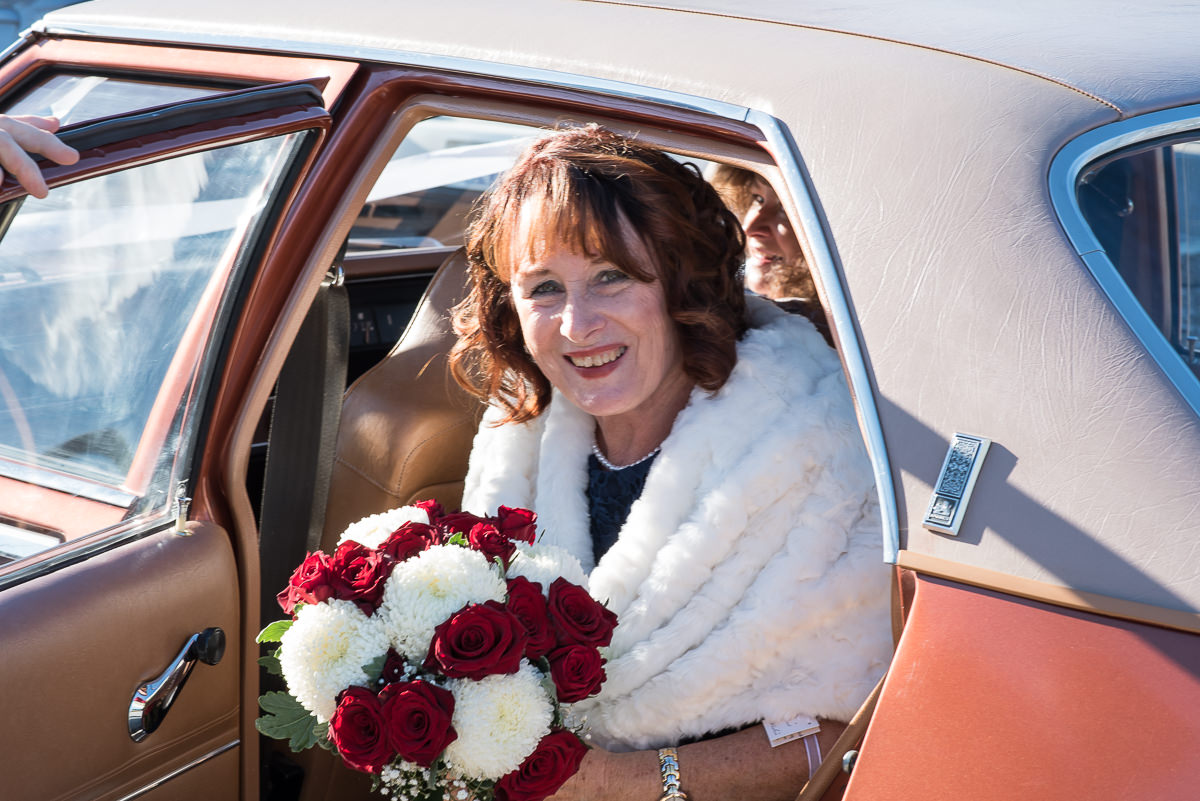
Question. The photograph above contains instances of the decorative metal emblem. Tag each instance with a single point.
(954, 485)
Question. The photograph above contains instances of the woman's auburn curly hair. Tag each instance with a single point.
(589, 186)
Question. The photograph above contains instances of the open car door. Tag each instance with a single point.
(121, 627)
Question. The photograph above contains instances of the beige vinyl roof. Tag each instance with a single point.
(1134, 55)
(930, 165)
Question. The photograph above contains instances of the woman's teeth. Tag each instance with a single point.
(598, 359)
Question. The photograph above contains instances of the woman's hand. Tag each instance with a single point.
(21, 136)
(741, 765)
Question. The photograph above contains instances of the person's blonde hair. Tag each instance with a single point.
(736, 187)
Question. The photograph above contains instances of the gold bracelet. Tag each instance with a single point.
(668, 763)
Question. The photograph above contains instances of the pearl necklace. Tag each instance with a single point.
(610, 466)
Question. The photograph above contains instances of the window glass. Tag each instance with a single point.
(422, 197)
(77, 98)
(1144, 207)
(108, 289)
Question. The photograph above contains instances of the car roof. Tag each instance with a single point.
(1101, 48)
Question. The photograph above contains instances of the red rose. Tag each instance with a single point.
(577, 671)
(432, 508)
(409, 540)
(458, 523)
(480, 640)
(517, 524)
(393, 668)
(487, 539)
(555, 760)
(577, 617)
(357, 730)
(417, 718)
(309, 584)
(526, 602)
(359, 575)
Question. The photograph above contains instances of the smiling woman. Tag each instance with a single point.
(609, 331)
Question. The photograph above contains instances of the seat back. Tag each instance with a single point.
(406, 427)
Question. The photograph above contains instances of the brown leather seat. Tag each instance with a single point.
(406, 427)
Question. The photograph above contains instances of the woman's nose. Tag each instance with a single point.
(580, 319)
(755, 222)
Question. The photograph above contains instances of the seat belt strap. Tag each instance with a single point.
(300, 446)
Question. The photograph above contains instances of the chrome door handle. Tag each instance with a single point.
(152, 699)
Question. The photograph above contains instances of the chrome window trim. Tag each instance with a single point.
(72, 552)
(787, 155)
(1064, 173)
(65, 482)
(159, 782)
(779, 142)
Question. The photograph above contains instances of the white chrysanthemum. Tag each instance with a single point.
(499, 720)
(372, 531)
(324, 652)
(545, 563)
(425, 590)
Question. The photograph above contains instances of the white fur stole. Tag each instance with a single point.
(748, 579)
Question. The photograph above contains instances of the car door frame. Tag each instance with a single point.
(97, 587)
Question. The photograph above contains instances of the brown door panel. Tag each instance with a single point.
(80, 640)
(197, 782)
(994, 697)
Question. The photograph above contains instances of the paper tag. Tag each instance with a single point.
(794, 729)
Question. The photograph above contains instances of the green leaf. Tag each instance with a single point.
(271, 663)
(274, 631)
(459, 539)
(374, 669)
(287, 720)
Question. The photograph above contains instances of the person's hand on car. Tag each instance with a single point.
(22, 136)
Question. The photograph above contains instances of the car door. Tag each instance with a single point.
(117, 295)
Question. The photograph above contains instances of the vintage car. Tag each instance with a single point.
(1001, 207)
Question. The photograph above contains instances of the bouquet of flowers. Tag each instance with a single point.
(436, 651)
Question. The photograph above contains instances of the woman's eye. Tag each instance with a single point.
(544, 288)
(757, 199)
(612, 277)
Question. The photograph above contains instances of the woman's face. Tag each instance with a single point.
(771, 245)
(602, 338)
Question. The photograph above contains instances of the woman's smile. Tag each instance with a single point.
(594, 359)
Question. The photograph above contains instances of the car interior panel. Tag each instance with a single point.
(113, 647)
(66, 517)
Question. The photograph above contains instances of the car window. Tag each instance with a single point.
(422, 197)
(77, 98)
(1144, 208)
(108, 288)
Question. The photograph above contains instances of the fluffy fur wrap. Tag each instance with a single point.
(747, 579)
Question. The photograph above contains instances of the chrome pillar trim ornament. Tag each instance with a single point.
(335, 276)
(182, 503)
(955, 483)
